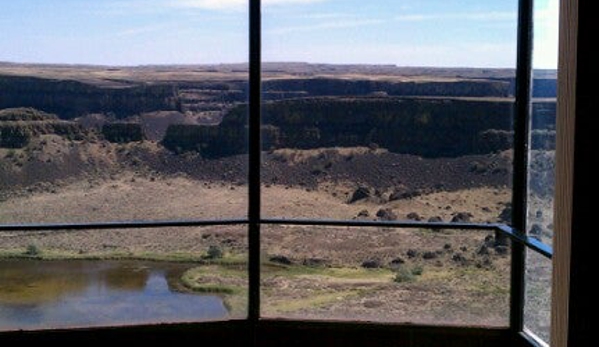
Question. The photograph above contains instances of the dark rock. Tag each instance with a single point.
(363, 214)
(402, 192)
(461, 217)
(412, 253)
(447, 246)
(460, 259)
(429, 255)
(397, 262)
(486, 209)
(478, 167)
(501, 250)
(414, 216)
(386, 214)
(506, 215)
(483, 250)
(464, 249)
(536, 230)
(485, 263)
(435, 219)
(280, 259)
(539, 214)
(371, 264)
(501, 239)
(359, 194)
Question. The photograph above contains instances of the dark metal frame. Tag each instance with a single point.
(516, 232)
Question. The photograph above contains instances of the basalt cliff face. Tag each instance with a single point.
(70, 99)
(430, 127)
(74, 98)
(430, 117)
(19, 125)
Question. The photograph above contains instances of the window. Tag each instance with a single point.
(336, 176)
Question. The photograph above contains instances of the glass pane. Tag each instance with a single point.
(446, 277)
(67, 279)
(113, 110)
(537, 310)
(398, 111)
(543, 137)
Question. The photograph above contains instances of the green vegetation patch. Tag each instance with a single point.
(230, 282)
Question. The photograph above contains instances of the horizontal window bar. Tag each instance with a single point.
(121, 225)
(532, 243)
(381, 224)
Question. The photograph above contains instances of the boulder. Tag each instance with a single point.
(429, 255)
(414, 216)
(412, 253)
(460, 259)
(403, 192)
(360, 193)
(386, 214)
(280, 259)
(462, 217)
(363, 214)
(371, 264)
(396, 262)
(435, 219)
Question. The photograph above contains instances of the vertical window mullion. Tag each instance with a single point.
(521, 157)
(254, 179)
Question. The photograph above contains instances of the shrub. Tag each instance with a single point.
(417, 270)
(214, 252)
(404, 275)
(32, 250)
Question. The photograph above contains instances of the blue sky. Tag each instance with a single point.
(466, 33)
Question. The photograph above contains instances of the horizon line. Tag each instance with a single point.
(389, 65)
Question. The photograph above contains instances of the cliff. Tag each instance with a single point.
(422, 126)
(19, 125)
(430, 127)
(75, 98)
(346, 87)
(69, 99)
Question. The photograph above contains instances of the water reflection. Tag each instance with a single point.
(36, 295)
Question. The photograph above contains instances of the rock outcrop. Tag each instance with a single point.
(19, 125)
(123, 132)
(70, 99)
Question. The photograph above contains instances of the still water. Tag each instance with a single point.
(39, 295)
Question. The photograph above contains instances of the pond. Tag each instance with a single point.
(68, 294)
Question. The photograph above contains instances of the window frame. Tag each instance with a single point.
(521, 242)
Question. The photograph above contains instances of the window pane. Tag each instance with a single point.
(543, 137)
(113, 110)
(398, 111)
(446, 277)
(122, 277)
(537, 310)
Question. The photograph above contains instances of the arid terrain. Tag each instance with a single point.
(183, 157)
